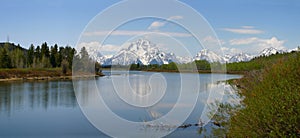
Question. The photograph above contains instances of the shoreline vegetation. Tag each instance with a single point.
(40, 75)
(269, 101)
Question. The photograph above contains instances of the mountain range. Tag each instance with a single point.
(144, 52)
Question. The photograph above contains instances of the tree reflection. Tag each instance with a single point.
(17, 96)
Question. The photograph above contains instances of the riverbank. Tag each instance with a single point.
(39, 75)
(186, 71)
(200, 71)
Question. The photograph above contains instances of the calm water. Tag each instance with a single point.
(50, 109)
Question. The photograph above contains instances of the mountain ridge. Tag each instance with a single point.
(145, 52)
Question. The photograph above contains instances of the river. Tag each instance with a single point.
(50, 108)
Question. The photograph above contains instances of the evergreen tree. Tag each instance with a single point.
(45, 53)
(30, 55)
(37, 58)
(17, 58)
(54, 56)
(37, 53)
(60, 56)
(45, 50)
(83, 61)
(70, 54)
(5, 61)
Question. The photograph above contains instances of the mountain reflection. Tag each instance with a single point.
(16, 96)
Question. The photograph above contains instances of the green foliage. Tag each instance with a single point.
(98, 68)
(202, 65)
(5, 61)
(257, 63)
(54, 56)
(13, 56)
(45, 50)
(64, 66)
(30, 55)
(66, 53)
(173, 67)
(84, 64)
(271, 107)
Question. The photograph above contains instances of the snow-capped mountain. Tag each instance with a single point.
(270, 51)
(95, 54)
(294, 50)
(209, 56)
(241, 57)
(142, 52)
(183, 60)
(227, 57)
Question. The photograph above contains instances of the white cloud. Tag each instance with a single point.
(110, 48)
(273, 42)
(213, 40)
(96, 46)
(244, 41)
(244, 30)
(89, 44)
(248, 27)
(255, 44)
(175, 18)
(158, 24)
(231, 51)
(134, 33)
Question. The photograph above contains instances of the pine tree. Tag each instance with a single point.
(37, 53)
(30, 55)
(45, 50)
(54, 56)
(5, 61)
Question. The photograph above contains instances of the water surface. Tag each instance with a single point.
(50, 108)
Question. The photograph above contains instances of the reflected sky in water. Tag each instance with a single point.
(50, 109)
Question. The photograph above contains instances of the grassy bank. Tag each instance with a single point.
(271, 101)
(33, 74)
(39, 74)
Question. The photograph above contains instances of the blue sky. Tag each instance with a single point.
(248, 25)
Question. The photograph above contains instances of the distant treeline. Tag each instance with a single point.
(36, 56)
(174, 67)
(44, 56)
(256, 63)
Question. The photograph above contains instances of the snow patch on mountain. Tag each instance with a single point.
(141, 52)
(144, 52)
(209, 56)
(270, 51)
(241, 57)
